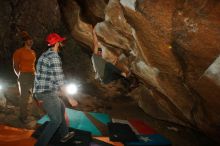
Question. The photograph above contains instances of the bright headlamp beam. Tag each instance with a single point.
(71, 89)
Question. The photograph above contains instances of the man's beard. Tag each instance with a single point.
(61, 51)
(60, 48)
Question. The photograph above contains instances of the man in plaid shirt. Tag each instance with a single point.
(50, 75)
(48, 84)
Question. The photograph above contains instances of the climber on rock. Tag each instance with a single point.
(105, 71)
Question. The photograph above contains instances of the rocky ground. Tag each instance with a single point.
(110, 99)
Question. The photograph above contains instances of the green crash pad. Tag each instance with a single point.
(79, 120)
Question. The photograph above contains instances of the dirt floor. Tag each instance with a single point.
(119, 107)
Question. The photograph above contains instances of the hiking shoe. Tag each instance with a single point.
(67, 137)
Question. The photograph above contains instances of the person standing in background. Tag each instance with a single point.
(24, 68)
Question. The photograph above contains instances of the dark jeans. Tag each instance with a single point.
(55, 109)
(26, 81)
(111, 73)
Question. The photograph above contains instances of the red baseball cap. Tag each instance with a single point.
(53, 38)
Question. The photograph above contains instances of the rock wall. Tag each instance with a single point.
(171, 46)
(38, 18)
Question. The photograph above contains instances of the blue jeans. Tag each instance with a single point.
(55, 109)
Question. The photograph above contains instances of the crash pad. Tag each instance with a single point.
(121, 132)
(96, 142)
(104, 118)
(79, 120)
(147, 136)
(150, 140)
(10, 136)
(141, 126)
(107, 140)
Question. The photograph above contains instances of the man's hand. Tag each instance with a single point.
(39, 102)
(72, 101)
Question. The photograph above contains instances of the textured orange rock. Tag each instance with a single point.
(169, 45)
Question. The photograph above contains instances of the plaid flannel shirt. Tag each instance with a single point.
(49, 73)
